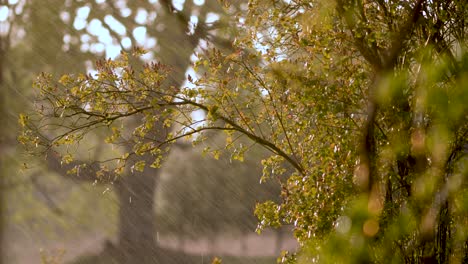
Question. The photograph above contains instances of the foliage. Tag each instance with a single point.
(365, 100)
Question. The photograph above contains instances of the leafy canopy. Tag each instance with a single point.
(362, 104)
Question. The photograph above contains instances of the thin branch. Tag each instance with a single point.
(265, 143)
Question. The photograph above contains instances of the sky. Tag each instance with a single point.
(106, 43)
(110, 47)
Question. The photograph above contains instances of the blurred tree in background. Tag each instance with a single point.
(215, 196)
(366, 100)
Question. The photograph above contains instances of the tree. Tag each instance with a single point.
(176, 36)
(365, 100)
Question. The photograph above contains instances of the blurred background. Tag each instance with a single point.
(195, 207)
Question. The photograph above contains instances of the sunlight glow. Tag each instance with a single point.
(150, 43)
(105, 42)
(115, 25)
(95, 27)
(79, 23)
(83, 12)
(65, 16)
(4, 11)
(122, 6)
(211, 17)
(85, 38)
(126, 42)
(190, 71)
(139, 34)
(141, 16)
(125, 12)
(193, 24)
(198, 115)
(113, 51)
(97, 48)
(178, 4)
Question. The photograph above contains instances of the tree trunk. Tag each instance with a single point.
(465, 252)
(136, 241)
(443, 235)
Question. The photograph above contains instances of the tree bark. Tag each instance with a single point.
(136, 239)
(443, 234)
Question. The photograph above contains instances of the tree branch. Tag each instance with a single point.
(86, 172)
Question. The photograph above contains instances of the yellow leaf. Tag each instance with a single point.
(67, 158)
(119, 170)
(216, 260)
(65, 79)
(216, 154)
(23, 119)
(139, 166)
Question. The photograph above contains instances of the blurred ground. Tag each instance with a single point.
(25, 250)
